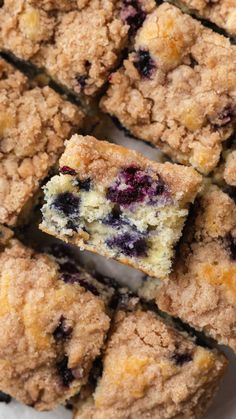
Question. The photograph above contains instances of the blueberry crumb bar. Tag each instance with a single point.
(202, 288)
(54, 318)
(177, 88)
(152, 370)
(77, 42)
(34, 123)
(115, 202)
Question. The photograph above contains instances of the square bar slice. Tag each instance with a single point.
(220, 12)
(53, 323)
(151, 370)
(115, 202)
(34, 123)
(77, 42)
(202, 288)
(177, 89)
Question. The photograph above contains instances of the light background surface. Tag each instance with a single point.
(224, 406)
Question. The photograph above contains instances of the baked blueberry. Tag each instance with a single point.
(133, 14)
(65, 373)
(84, 185)
(133, 185)
(130, 244)
(144, 63)
(68, 203)
(62, 331)
(181, 358)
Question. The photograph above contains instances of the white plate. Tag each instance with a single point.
(224, 406)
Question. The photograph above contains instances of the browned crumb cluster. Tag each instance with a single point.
(78, 42)
(201, 290)
(34, 123)
(177, 89)
(220, 12)
(51, 329)
(151, 370)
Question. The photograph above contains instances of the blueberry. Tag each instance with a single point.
(225, 116)
(65, 373)
(4, 398)
(84, 185)
(68, 203)
(133, 15)
(72, 225)
(114, 219)
(134, 185)
(231, 245)
(144, 63)
(66, 170)
(181, 359)
(81, 80)
(130, 244)
(62, 331)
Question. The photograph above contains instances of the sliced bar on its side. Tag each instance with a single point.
(115, 202)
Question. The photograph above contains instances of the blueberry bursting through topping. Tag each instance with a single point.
(130, 244)
(65, 372)
(181, 359)
(225, 116)
(62, 331)
(134, 185)
(133, 15)
(144, 63)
